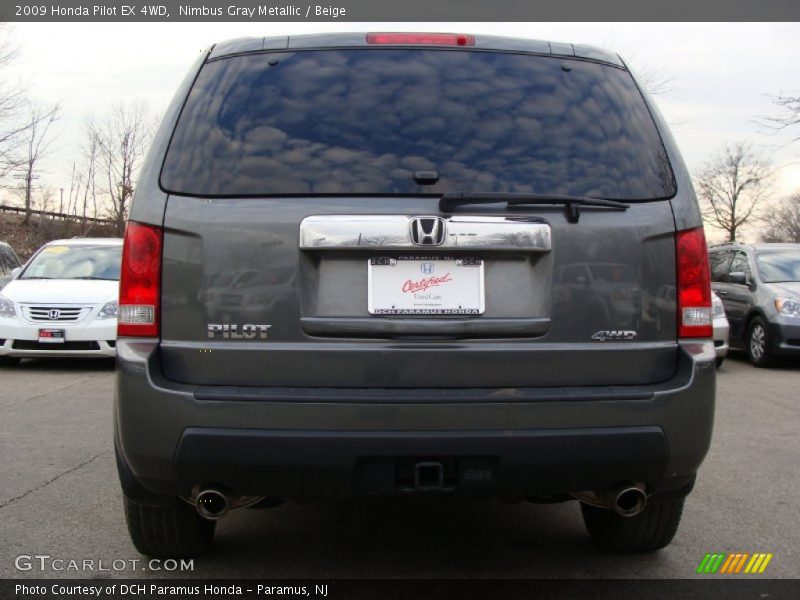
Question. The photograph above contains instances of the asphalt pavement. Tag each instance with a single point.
(60, 498)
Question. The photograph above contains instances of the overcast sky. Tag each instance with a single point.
(722, 73)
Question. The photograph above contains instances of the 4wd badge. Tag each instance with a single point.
(614, 335)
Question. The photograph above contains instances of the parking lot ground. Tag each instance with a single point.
(60, 497)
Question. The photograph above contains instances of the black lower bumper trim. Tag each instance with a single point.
(62, 347)
(514, 464)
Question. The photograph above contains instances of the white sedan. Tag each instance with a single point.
(63, 302)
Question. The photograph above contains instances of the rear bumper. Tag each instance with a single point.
(312, 443)
(311, 464)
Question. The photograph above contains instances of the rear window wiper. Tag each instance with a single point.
(450, 200)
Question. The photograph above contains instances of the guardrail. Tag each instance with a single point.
(55, 215)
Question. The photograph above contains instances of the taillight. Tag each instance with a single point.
(694, 285)
(140, 281)
(421, 39)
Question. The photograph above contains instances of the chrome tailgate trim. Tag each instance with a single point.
(394, 232)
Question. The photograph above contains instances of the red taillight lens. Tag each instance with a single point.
(694, 285)
(421, 39)
(140, 281)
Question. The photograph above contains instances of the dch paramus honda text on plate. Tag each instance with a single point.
(412, 264)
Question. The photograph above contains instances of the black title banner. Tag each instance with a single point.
(405, 10)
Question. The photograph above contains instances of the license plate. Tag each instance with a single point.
(51, 336)
(425, 286)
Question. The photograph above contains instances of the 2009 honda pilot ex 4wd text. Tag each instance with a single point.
(412, 263)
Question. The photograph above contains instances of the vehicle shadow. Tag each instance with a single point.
(412, 537)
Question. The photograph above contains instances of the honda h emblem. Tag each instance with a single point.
(54, 313)
(426, 268)
(427, 231)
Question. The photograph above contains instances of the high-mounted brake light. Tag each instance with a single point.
(140, 281)
(694, 285)
(421, 39)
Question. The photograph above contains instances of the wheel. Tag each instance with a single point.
(650, 530)
(9, 361)
(168, 528)
(758, 343)
(720, 360)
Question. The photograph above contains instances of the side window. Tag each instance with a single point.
(741, 264)
(719, 265)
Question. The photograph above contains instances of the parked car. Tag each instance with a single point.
(63, 302)
(9, 262)
(425, 190)
(759, 284)
(721, 329)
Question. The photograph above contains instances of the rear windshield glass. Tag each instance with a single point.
(363, 121)
(75, 262)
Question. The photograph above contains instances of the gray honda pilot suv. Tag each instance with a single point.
(391, 263)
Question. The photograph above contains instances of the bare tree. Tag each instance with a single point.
(122, 138)
(74, 188)
(45, 200)
(655, 81)
(37, 142)
(85, 179)
(12, 98)
(783, 223)
(655, 78)
(732, 186)
(789, 118)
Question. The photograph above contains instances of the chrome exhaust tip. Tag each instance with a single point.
(629, 501)
(212, 504)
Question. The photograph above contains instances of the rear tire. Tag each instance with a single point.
(9, 361)
(719, 362)
(169, 528)
(650, 530)
(758, 343)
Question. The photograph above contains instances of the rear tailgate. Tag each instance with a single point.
(550, 310)
(295, 178)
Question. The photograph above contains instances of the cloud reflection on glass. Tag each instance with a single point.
(362, 121)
